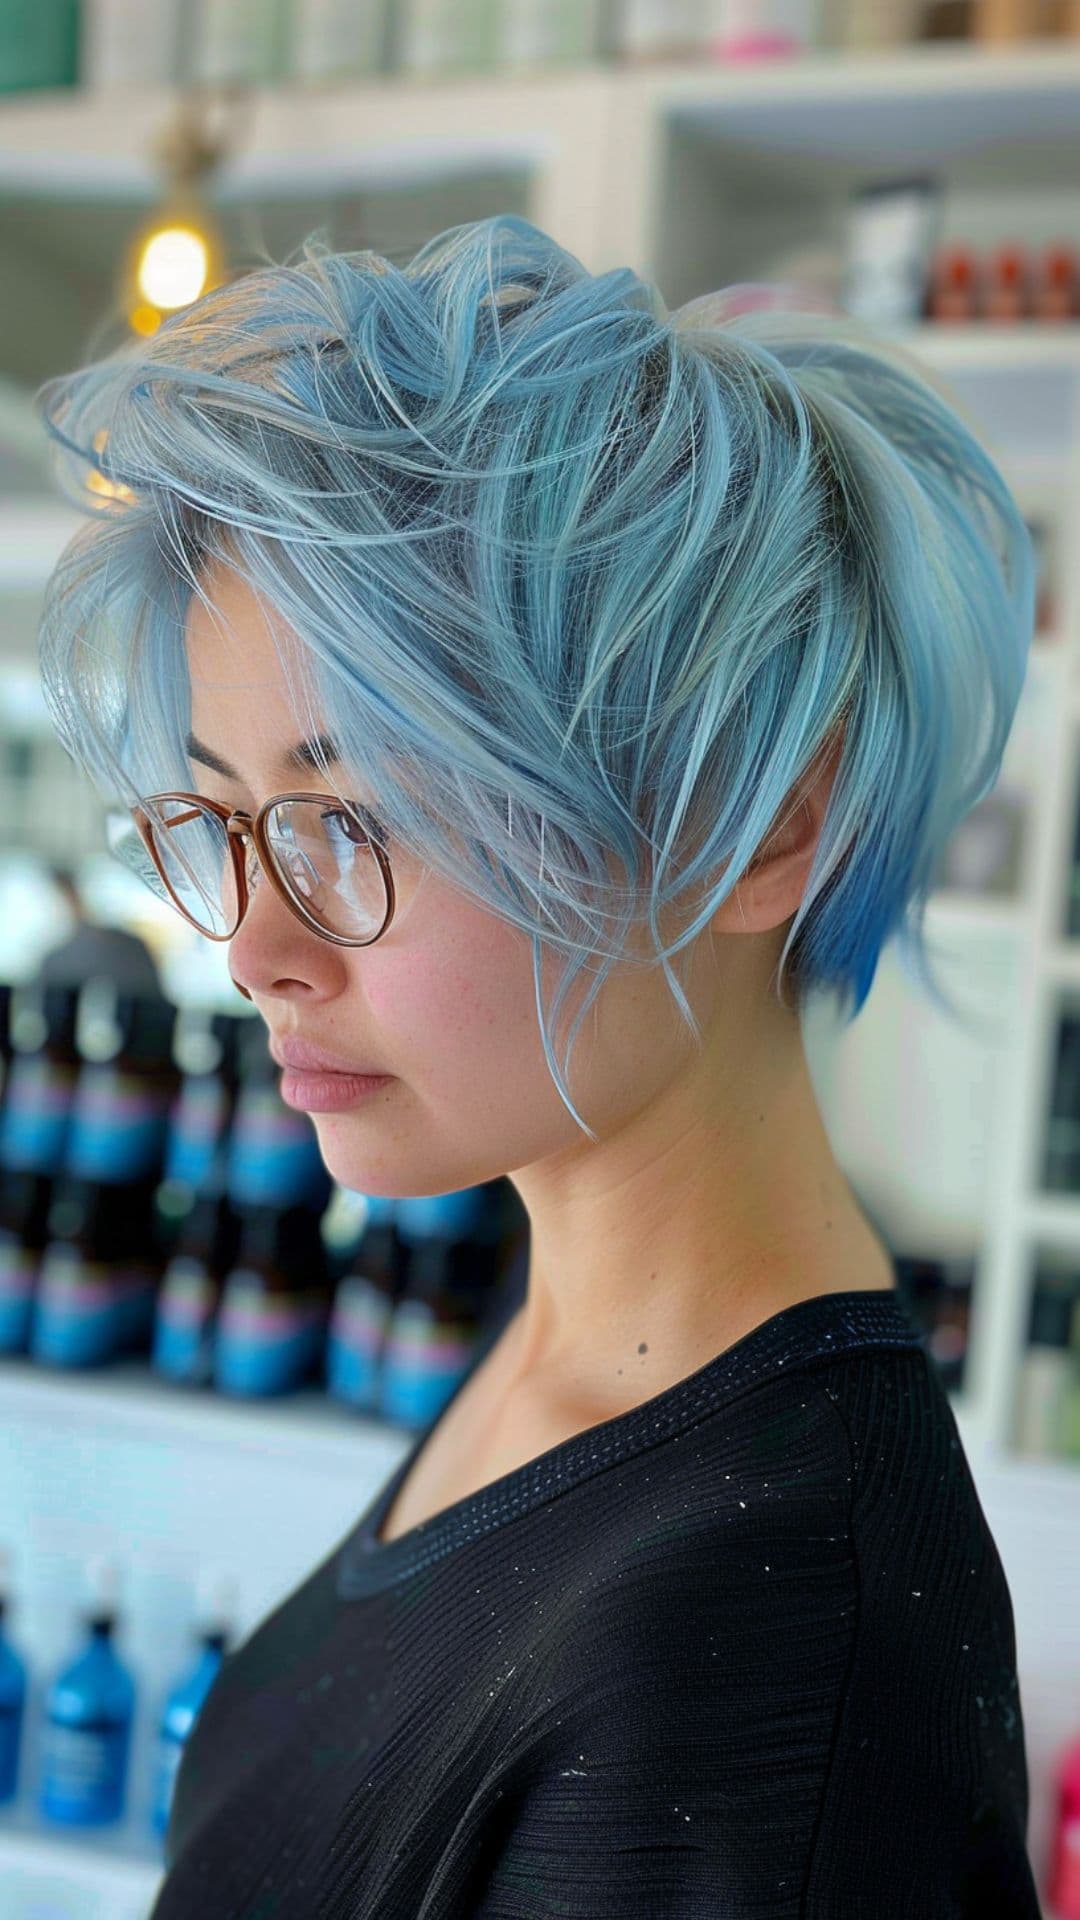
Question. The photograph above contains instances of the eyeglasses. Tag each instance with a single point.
(330, 869)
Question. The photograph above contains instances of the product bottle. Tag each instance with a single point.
(1061, 1173)
(545, 33)
(205, 1051)
(337, 41)
(202, 1234)
(240, 41)
(954, 293)
(39, 46)
(1068, 1423)
(189, 1298)
(1056, 294)
(88, 1717)
(446, 36)
(660, 29)
(1045, 1371)
(125, 43)
(436, 1324)
(6, 994)
(275, 1305)
(273, 1158)
(39, 1093)
(947, 1343)
(364, 1303)
(12, 1693)
(1007, 296)
(99, 1273)
(1063, 1892)
(214, 1612)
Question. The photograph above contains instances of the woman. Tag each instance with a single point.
(670, 647)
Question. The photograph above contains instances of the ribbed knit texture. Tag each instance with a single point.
(745, 1652)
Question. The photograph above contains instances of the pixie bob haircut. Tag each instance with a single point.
(586, 585)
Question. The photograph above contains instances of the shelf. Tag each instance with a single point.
(401, 127)
(1054, 1216)
(1038, 71)
(911, 108)
(45, 1873)
(393, 132)
(953, 910)
(1029, 345)
(306, 1427)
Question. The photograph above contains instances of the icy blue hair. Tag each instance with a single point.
(586, 585)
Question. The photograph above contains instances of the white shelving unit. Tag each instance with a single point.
(698, 177)
(171, 1479)
(50, 1875)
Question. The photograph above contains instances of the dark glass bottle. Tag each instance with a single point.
(364, 1301)
(206, 1050)
(1061, 1173)
(100, 1270)
(206, 1248)
(39, 1093)
(6, 992)
(274, 1158)
(437, 1322)
(275, 1306)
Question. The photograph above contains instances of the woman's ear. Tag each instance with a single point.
(770, 890)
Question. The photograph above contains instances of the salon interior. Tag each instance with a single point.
(915, 163)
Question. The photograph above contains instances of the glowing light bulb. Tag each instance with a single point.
(173, 267)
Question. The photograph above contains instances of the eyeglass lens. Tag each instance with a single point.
(321, 853)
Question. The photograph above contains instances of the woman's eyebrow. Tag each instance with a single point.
(306, 753)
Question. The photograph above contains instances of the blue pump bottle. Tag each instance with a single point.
(12, 1694)
(214, 1615)
(88, 1717)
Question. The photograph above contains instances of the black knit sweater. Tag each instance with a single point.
(745, 1652)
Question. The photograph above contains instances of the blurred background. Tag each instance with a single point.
(212, 1356)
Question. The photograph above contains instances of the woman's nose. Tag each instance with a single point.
(272, 943)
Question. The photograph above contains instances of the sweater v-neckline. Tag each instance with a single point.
(819, 1327)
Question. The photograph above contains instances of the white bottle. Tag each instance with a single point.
(447, 36)
(661, 29)
(246, 42)
(126, 43)
(544, 33)
(764, 28)
(335, 41)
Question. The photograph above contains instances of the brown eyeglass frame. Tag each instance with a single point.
(238, 827)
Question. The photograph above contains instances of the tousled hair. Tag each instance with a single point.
(586, 585)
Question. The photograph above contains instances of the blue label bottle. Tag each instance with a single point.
(435, 1328)
(189, 1300)
(12, 1697)
(275, 1304)
(39, 1090)
(99, 1273)
(274, 1159)
(178, 1720)
(364, 1301)
(89, 1711)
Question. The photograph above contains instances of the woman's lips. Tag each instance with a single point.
(324, 1092)
(317, 1081)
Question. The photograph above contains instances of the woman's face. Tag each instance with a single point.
(444, 1001)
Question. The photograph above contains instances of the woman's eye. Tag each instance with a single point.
(358, 826)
